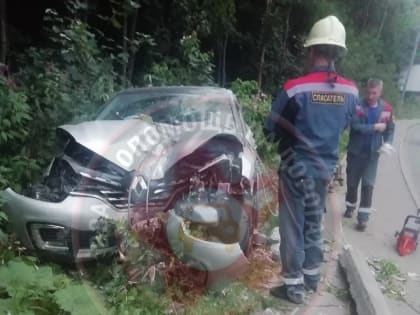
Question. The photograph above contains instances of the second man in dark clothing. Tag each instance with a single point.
(372, 129)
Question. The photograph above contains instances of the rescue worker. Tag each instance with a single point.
(372, 131)
(306, 119)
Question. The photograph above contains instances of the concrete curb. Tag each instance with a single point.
(363, 286)
(364, 289)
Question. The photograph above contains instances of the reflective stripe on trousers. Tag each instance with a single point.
(292, 281)
(364, 214)
(311, 272)
(351, 205)
(365, 210)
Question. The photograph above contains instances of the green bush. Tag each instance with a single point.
(28, 288)
(16, 165)
(410, 109)
(255, 107)
(193, 67)
(233, 299)
(67, 83)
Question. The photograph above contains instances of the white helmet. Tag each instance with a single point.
(327, 31)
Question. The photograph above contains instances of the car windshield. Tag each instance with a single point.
(170, 108)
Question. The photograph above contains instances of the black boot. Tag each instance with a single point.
(349, 212)
(293, 293)
(361, 226)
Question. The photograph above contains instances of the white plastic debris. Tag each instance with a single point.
(413, 276)
(387, 149)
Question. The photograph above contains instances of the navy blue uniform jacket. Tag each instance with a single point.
(308, 116)
(361, 130)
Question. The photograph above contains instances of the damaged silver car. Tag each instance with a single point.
(185, 152)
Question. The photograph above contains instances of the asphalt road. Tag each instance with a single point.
(396, 195)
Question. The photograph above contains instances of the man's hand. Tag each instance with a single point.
(379, 127)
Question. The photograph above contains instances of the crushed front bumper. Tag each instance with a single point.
(221, 261)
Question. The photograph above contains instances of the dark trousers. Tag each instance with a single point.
(361, 168)
(301, 208)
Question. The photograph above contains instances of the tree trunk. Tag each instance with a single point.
(286, 32)
(261, 67)
(381, 26)
(85, 12)
(365, 22)
(286, 36)
(225, 43)
(219, 62)
(3, 34)
(124, 51)
(262, 43)
(132, 53)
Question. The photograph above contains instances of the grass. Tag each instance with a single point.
(410, 110)
(389, 277)
(340, 293)
(344, 140)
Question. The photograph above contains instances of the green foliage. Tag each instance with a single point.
(9, 248)
(72, 82)
(410, 109)
(387, 269)
(14, 115)
(360, 66)
(3, 235)
(193, 67)
(76, 300)
(18, 274)
(342, 294)
(136, 300)
(32, 289)
(122, 296)
(55, 86)
(255, 107)
(234, 299)
(16, 165)
(344, 140)
(135, 287)
(389, 276)
(105, 230)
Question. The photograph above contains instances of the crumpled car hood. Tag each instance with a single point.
(149, 148)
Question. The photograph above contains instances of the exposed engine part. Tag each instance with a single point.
(227, 166)
(74, 173)
(60, 181)
(222, 171)
(216, 214)
(84, 157)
